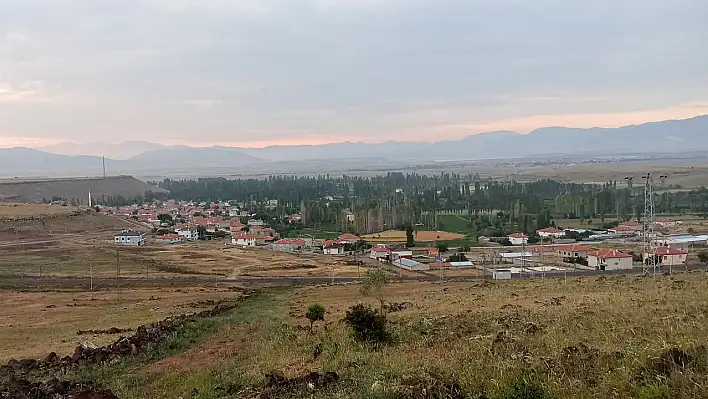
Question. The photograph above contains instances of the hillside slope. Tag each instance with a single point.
(76, 188)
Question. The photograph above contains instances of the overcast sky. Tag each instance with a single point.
(254, 72)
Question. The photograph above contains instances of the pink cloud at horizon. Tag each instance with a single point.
(440, 132)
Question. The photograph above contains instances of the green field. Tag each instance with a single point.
(453, 223)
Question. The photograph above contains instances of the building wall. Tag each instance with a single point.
(244, 242)
(679, 259)
(190, 235)
(130, 241)
(518, 241)
(610, 264)
(334, 251)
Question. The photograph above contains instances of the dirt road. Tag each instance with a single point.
(11, 282)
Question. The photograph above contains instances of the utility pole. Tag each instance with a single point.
(120, 294)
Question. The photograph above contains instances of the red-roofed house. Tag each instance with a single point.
(244, 239)
(610, 260)
(550, 232)
(379, 252)
(518, 238)
(169, 239)
(573, 251)
(264, 231)
(669, 256)
(333, 248)
(349, 238)
(236, 226)
(263, 240)
(288, 244)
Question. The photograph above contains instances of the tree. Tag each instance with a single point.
(373, 283)
(703, 257)
(315, 312)
(410, 238)
(442, 247)
(165, 218)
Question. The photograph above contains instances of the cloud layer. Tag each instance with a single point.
(262, 71)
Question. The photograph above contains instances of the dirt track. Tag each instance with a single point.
(113, 283)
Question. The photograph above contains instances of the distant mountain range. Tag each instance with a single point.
(130, 157)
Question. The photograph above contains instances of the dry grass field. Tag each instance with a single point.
(69, 246)
(419, 236)
(595, 337)
(13, 210)
(34, 323)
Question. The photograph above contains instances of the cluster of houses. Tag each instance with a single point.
(623, 230)
(603, 259)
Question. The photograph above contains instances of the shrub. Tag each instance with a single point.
(703, 257)
(367, 324)
(524, 387)
(315, 312)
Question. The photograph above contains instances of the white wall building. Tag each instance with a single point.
(573, 251)
(129, 238)
(669, 256)
(244, 240)
(333, 249)
(610, 260)
(189, 233)
(550, 233)
(518, 238)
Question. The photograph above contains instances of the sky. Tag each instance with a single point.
(260, 72)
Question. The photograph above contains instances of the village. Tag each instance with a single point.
(551, 250)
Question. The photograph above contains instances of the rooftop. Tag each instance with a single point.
(610, 254)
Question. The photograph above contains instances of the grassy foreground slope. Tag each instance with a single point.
(618, 337)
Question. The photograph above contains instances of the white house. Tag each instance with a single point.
(288, 244)
(550, 233)
(129, 237)
(610, 260)
(667, 222)
(349, 238)
(378, 253)
(244, 240)
(573, 251)
(169, 239)
(189, 233)
(333, 249)
(255, 222)
(669, 256)
(518, 238)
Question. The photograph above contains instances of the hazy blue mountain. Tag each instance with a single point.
(180, 157)
(659, 137)
(22, 161)
(123, 150)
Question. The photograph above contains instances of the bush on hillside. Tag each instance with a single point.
(367, 324)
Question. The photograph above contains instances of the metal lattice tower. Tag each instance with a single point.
(649, 247)
(650, 266)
